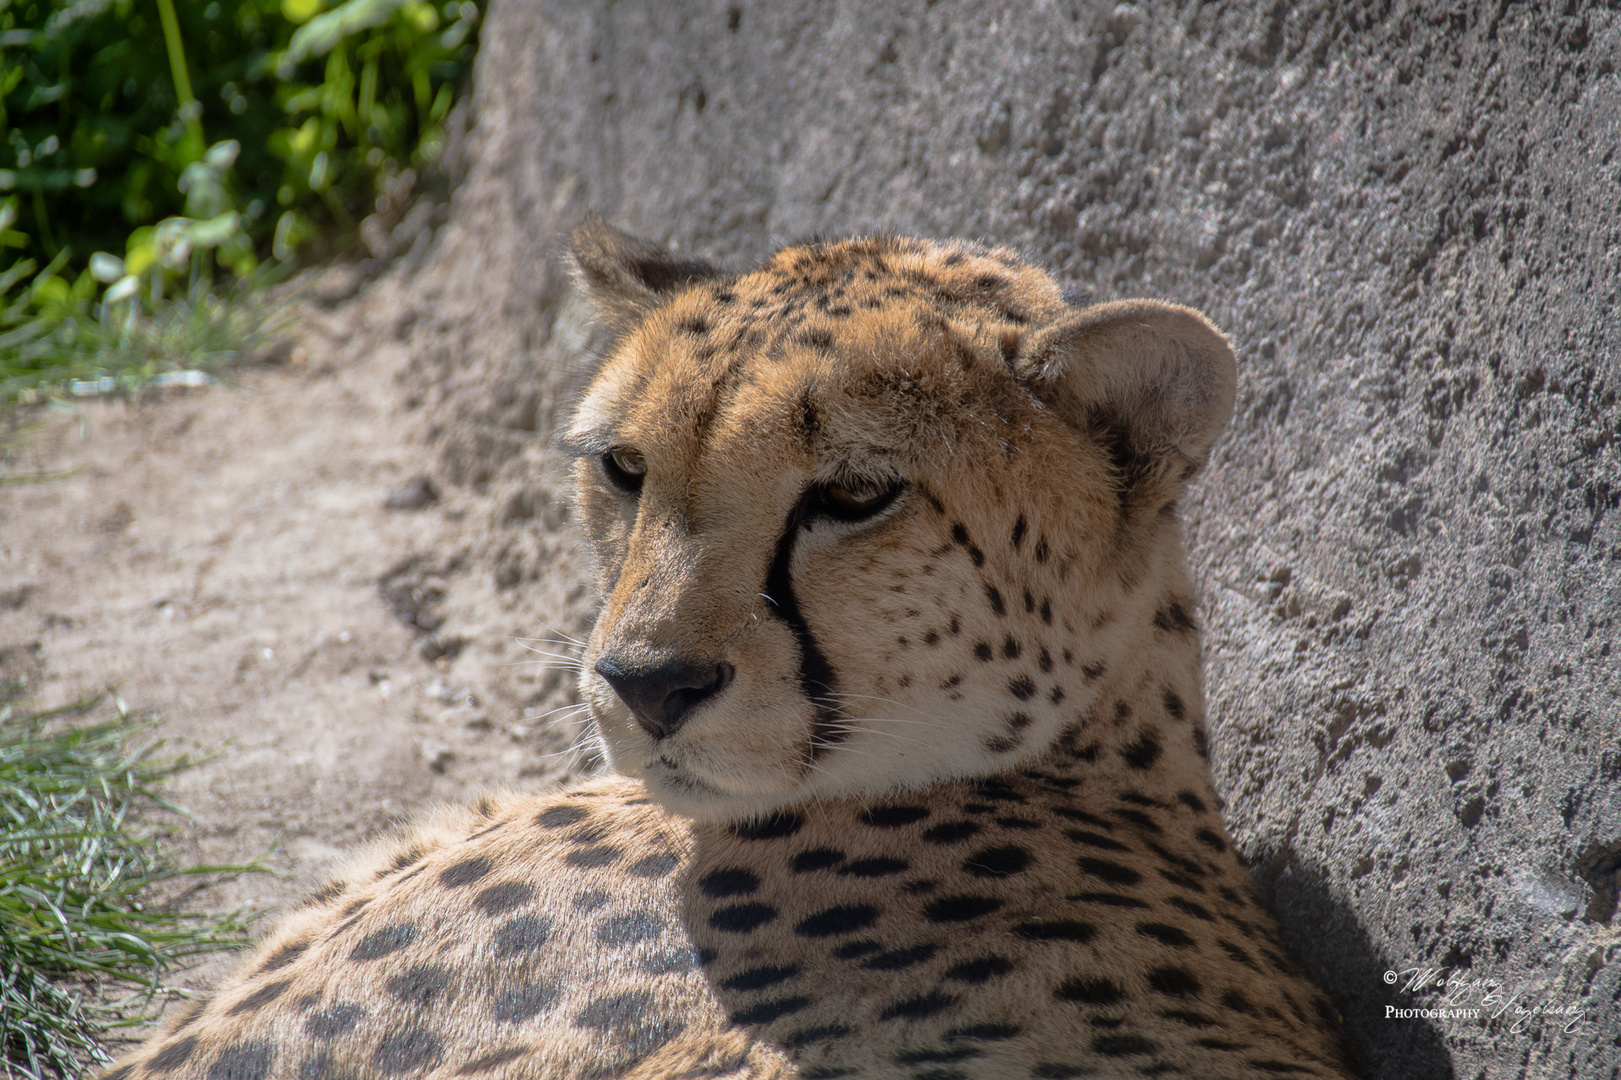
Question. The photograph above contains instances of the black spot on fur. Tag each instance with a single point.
(419, 984)
(1000, 861)
(1211, 840)
(842, 919)
(1002, 744)
(524, 934)
(960, 908)
(492, 1060)
(594, 857)
(1166, 934)
(1142, 752)
(983, 651)
(1050, 1070)
(1010, 648)
(557, 817)
(173, 1056)
(655, 866)
(695, 325)
(464, 873)
(1201, 742)
(1044, 660)
(1191, 801)
(1020, 527)
(854, 950)
(774, 827)
(332, 1022)
(503, 897)
(931, 638)
(1138, 818)
(732, 882)
(766, 1011)
(919, 1007)
(406, 1050)
(1173, 981)
(1237, 1002)
(590, 899)
(899, 959)
(1107, 899)
(1239, 955)
(1111, 872)
(1081, 815)
(1097, 840)
(1022, 687)
(262, 996)
(1042, 550)
(284, 956)
(980, 970)
(1272, 1066)
(952, 832)
(1056, 930)
(893, 817)
(1093, 671)
(1090, 991)
(1173, 705)
(242, 1061)
(1188, 1017)
(994, 596)
(380, 943)
(1173, 618)
(1047, 611)
(1198, 911)
(874, 868)
(825, 1033)
(1018, 721)
(1123, 1045)
(758, 978)
(816, 859)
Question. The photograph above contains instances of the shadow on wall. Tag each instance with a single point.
(1326, 935)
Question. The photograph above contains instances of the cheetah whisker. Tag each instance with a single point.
(578, 707)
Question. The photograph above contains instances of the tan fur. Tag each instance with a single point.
(940, 800)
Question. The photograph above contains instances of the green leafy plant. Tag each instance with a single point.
(149, 146)
(82, 826)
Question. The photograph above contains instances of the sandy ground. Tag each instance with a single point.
(226, 561)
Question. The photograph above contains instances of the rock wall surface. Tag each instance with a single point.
(1408, 218)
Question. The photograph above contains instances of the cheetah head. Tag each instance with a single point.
(877, 514)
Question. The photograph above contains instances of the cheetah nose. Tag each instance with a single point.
(662, 696)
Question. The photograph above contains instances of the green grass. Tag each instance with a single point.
(190, 341)
(83, 830)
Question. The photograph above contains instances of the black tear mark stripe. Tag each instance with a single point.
(816, 677)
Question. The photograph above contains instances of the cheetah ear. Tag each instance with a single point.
(1153, 383)
(626, 277)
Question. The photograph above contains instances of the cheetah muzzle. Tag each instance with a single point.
(898, 666)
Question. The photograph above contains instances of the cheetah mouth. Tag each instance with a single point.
(672, 775)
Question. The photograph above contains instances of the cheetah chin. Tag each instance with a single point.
(898, 663)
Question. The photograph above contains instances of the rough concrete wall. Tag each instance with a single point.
(1406, 216)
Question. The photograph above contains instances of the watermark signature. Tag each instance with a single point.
(1468, 997)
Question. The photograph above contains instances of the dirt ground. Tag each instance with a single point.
(227, 560)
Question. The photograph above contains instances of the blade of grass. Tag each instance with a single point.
(82, 834)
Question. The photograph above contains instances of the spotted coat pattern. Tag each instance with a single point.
(929, 798)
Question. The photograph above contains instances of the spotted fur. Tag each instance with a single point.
(898, 664)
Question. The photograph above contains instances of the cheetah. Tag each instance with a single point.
(898, 668)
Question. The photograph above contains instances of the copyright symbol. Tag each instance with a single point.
(1390, 978)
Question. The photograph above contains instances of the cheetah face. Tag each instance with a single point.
(869, 517)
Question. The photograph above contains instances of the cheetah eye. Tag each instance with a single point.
(626, 468)
(853, 502)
